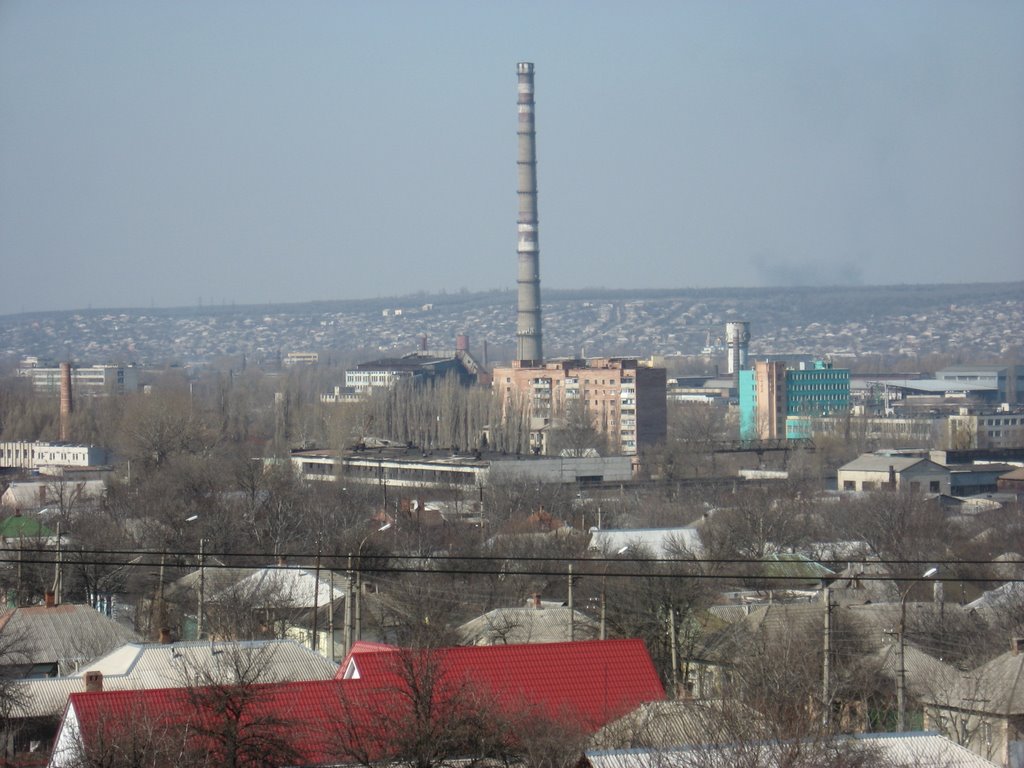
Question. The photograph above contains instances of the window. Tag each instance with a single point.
(849, 485)
(934, 486)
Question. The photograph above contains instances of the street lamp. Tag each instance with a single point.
(901, 678)
(350, 636)
(201, 607)
(604, 583)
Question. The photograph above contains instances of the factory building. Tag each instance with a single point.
(397, 468)
(420, 367)
(1005, 382)
(24, 454)
(779, 403)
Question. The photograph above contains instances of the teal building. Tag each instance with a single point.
(778, 402)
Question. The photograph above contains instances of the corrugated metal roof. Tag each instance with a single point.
(145, 666)
(68, 635)
(660, 724)
(291, 587)
(996, 687)
(870, 462)
(896, 750)
(926, 676)
(549, 624)
(592, 681)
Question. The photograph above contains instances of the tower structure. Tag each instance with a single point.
(737, 337)
(529, 348)
(66, 402)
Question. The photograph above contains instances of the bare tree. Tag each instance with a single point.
(12, 695)
(575, 432)
(427, 716)
(230, 724)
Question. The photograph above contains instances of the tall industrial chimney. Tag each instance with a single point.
(529, 349)
(65, 402)
(737, 338)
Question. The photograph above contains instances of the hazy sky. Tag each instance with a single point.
(245, 151)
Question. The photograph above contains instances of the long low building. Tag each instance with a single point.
(23, 454)
(401, 467)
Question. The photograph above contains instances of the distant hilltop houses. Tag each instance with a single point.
(401, 312)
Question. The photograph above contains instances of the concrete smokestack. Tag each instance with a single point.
(737, 337)
(65, 402)
(529, 348)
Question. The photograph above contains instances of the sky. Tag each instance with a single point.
(251, 151)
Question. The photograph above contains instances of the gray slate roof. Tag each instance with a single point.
(870, 462)
(897, 750)
(514, 626)
(660, 724)
(68, 635)
(996, 687)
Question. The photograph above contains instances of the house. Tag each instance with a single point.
(589, 682)
(862, 635)
(985, 710)
(58, 639)
(682, 542)
(537, 622)
(875, 471)
(1011, 482)
(385, 704)
(145, 666)
(19, 530)
(59, 493)
(273, 601)
(661, 724)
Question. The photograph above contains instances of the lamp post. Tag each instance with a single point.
(901, 677)
(358, 602)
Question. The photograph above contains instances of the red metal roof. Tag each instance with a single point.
(592, 682)
(579, 685)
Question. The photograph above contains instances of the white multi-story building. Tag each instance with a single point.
(22, 454)
(86, 380)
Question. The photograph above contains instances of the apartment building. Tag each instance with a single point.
(625, 398)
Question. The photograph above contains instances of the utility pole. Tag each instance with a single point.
(161, 610)
(57, 570)
(348, 608)
(675, 659)
(330, 620)
(202, 589)
(316, 593)
(826, 672)
(572, 611)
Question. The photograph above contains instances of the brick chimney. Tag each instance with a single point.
(66, 403)
(536, 600)
(93, 681)
(1016, 643)
(49, 599)
(165, 636)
